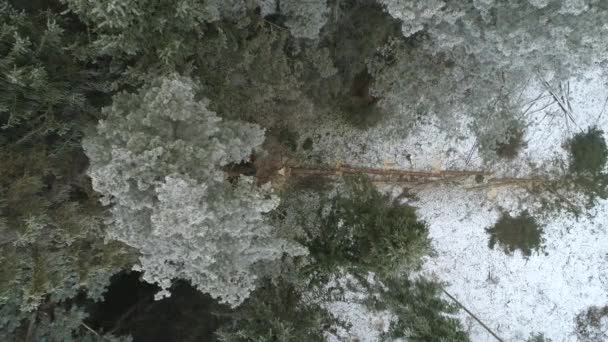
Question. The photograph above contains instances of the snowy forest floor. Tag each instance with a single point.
(514, 295)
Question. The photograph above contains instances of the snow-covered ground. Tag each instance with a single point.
(516, 296)
(513, 295)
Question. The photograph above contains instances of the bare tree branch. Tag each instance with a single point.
(29, 337)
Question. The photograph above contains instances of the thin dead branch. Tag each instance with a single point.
(533, 102)
(472, 315)
(569, 203)
(471, 151)
(602, 112)
(539, 109)
(99, 337)
(562, 100)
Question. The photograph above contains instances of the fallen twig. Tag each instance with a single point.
(472, 315)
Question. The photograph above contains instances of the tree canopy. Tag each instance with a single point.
(125, 127)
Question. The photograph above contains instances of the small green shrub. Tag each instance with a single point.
(521, 232)
(307, 144)
(588, 156)
(588, 152)
(511, 147)
(500, 132)
(288, 138)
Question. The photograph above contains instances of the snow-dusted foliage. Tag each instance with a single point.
(157, 160)
(305, 18)
(122, 24)
(466, 56)
(415, 15)
(557, 35)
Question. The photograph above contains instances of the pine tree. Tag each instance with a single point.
(141, 37)
(363, 230)
(157, 159)
(52, 247)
